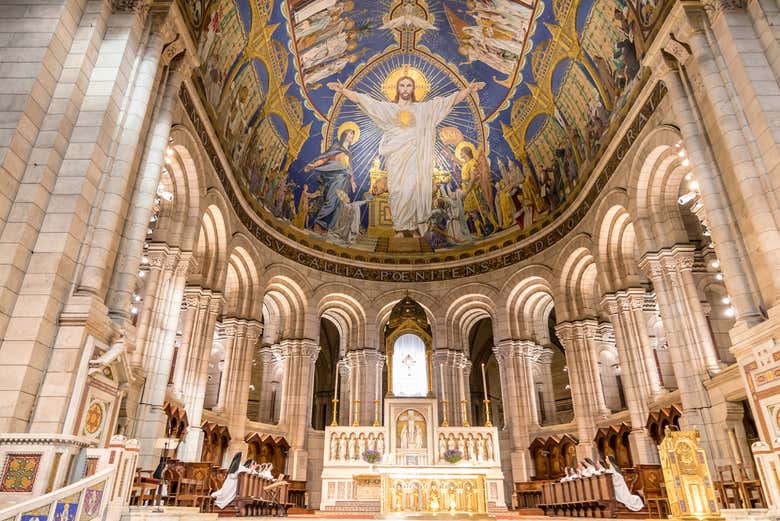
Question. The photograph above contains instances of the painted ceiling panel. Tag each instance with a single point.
(512, 102)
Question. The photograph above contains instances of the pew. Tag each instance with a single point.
(256, 496)
(585, 497)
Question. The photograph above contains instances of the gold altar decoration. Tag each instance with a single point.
(408, 497)
(368, 487)
(687, 477)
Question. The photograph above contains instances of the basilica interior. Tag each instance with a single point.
(389, 259)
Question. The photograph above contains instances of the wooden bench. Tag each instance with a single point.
(585, 497)
(256, 496)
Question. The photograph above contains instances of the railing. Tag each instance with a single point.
(100, 496)
(477, 445)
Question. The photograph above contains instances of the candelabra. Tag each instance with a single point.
(487, 413)
(465, 413)
(444, 422)
(334, 423)
(376, 413)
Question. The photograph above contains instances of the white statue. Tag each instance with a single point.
(343, 447)
(480, 449)
(470, 452)
(411, 434)
(334, 446)
(380, 444)
(489, 447)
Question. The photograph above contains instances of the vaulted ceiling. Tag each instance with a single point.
(558, 76)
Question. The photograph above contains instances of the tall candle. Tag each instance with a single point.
(378, 379)
(336, 391)
(460, 383)
(441, 379)
(484, 382)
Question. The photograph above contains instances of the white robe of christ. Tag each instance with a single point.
(407, 144)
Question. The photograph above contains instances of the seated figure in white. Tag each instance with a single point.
(225, 495)
(586, 470)
(622, 493)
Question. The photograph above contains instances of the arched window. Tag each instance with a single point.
(410, 372)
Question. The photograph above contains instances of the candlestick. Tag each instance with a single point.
(336, 390)
(464, 411)
(355, 421)
(487, 414)
(441, 380)
(484, 382)
(335, 422)
(444, 422)
(376, 413)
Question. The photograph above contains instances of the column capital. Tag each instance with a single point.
(299, 348)
(254, 329)
(714, 8)
(130, 6)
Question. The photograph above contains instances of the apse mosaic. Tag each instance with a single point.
(417, 126)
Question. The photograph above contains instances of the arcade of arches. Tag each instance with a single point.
(142, 293)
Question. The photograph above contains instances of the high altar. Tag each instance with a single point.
(411, 476)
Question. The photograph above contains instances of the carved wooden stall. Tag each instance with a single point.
(215, 442)
(614, 441)
(658, 420)
(552, 455)
(267, 448)
(176, 423)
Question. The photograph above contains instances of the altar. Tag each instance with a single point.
(411, 464)
(412, 476)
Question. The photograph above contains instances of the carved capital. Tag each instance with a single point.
(130, 6)
(680, 52)
(715, 8)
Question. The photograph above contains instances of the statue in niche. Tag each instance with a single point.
(489, 447)
(361, 445)
(343, 447)
(371, 442)
(480, 449)
(442, 445)
(352, 447)
(470, 452)
(380, 444)
(334, 446)
(412, 436)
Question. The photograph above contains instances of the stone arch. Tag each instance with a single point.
(426, 301)
(616, 243)
(288, 294)
(346, 312)
(528, 297)
(468, 305)
(242, 281)
(186, 176)
(657, 173)
(211, 247)
(578, 288)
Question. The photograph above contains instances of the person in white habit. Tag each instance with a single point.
(622, 493)
(225, 495)
(408, 139)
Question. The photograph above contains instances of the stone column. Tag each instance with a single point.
(196, 349)
(640, 377)
(271, 360)
(241, 337)
(519, 406)
(747, 174)
(445, 366)
(720, 215)
(542, 360)
(372, 387)
(345, 395)
(462, 392)
(689, 368)
(137, 221)
(162, 305)
(299, 357)
(578, 338)
(102, 249)
(355, 365)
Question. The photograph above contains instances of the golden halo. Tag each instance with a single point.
(465, 144)
(421, 84)
(348, 125)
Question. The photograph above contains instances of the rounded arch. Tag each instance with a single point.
(242, 281)
(185, 179)
(286, 296)
(346, 313)
(528, 297)
(578, 290)
(426, 301)
(211, 249)
(657, 173)
(468, 305)
(616, 243)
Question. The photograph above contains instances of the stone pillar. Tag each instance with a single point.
(726, 120)
(354, 364)
(137, 221)
(372, 385)
(108, 227)
(299, 357)
(241, 337)
(689, 368)
(160, 316)
(270, 389)
(542, 360)
(462, 393)
(196, 349)
(445, 365)
(519, 406)
(720, 215)
(640, 377)
(578, 338)
(345, 395)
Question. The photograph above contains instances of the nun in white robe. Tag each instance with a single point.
(632, 501)
(225, 495)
